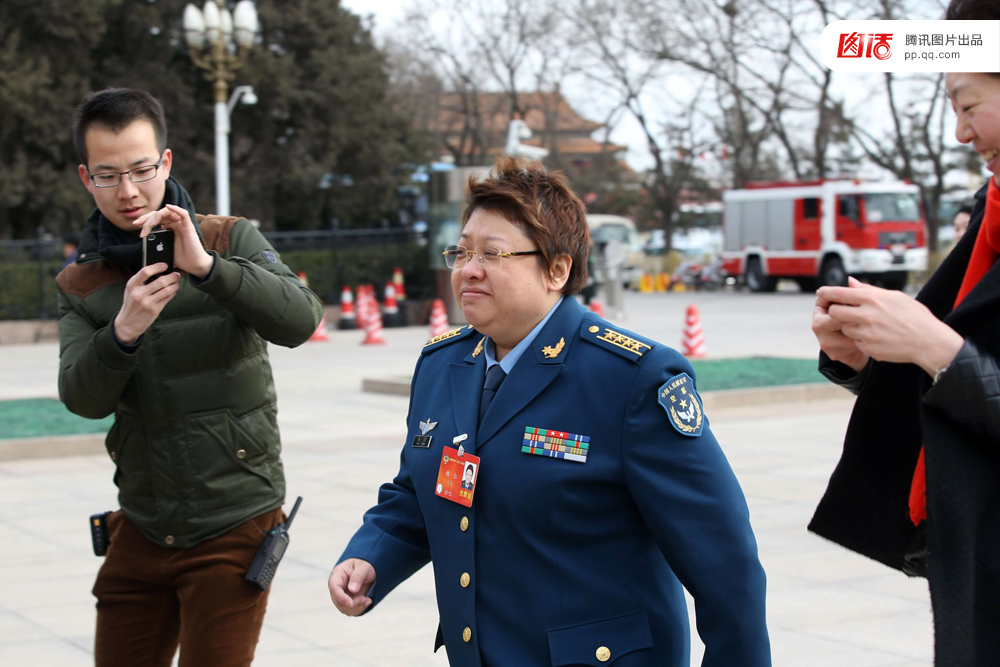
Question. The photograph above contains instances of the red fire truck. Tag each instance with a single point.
(821, 231)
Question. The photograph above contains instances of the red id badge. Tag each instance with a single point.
(457, 476)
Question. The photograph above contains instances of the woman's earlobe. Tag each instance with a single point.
(559, 272)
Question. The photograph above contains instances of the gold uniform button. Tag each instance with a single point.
(464, 523)
(465, 580)
(241, 453)
(169, 539)
(594, 329)
(467, 634)
(604, 654)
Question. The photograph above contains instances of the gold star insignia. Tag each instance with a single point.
(624, 342)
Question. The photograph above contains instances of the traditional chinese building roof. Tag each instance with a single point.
(477, 123)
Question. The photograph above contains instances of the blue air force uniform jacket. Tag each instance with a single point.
(563, 562)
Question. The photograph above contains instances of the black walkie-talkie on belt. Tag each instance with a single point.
(265, 562)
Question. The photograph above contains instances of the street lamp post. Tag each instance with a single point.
(210, 36)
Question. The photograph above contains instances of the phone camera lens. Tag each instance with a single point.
(152, 237)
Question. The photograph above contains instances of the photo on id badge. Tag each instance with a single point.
(457, 476)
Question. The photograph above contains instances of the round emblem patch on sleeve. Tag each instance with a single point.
(680, 400)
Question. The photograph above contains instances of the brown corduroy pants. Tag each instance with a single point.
(151, 598)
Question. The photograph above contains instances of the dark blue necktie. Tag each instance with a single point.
(494, 376)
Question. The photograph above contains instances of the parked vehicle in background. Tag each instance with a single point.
(707, 215)
(705, 273)
(819, 232)
(618, 229)
(948, 206)
(695, 226)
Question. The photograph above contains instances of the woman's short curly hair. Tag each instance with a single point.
(542, 205)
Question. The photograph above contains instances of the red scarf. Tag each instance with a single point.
(984, 254)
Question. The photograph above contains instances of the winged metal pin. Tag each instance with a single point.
(426, 426)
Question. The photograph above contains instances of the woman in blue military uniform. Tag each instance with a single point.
(599, 491)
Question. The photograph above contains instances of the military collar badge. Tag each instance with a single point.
(682, 404)
(551, 352)
(479, 348)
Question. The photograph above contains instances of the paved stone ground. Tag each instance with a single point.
(826, 606)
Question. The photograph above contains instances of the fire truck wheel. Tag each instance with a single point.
(833, 272)
(755, 278)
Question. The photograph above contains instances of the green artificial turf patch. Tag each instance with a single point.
(38, 417)
(715, 375)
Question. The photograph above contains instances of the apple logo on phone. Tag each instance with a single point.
(159, 247)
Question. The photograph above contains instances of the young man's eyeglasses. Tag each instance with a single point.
(457, 256)
(111, 179)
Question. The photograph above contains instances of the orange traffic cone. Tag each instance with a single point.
(373, 319)
(596, 307)
(320, 334)
(397, 282)
(363, 309)
(366, 306)
(348, 318)
(390, 311)
(439, 318)
(693, 344)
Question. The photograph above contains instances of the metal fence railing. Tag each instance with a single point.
(331, 259)
(27, 278)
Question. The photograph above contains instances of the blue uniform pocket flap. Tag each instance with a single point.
(600, 642)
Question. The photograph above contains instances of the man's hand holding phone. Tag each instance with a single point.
(143, 303)
(189, 253)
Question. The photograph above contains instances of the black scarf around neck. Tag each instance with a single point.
(124, 249)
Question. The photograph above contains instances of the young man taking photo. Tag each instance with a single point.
(179, 355)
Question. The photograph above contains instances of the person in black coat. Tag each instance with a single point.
(916, 486)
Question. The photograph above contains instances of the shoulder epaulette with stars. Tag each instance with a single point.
(446, 338)
(624, 345)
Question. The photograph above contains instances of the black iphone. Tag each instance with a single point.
(158, 246)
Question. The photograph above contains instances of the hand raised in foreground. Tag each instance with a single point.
(888, 325)
(189, 253)
(832, 340)
(142, 303)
